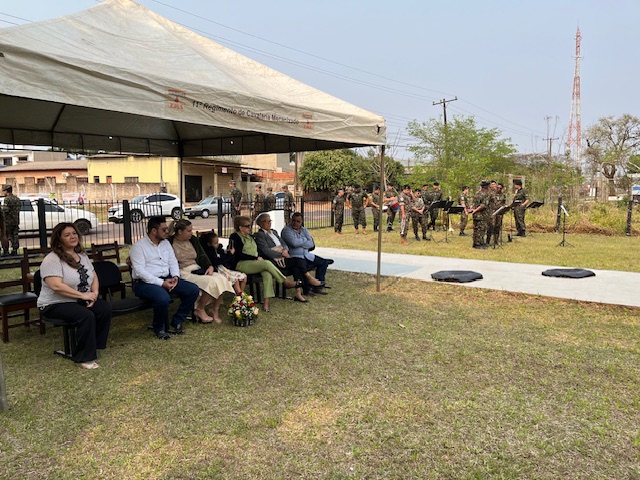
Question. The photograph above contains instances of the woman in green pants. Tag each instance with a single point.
(246, 259)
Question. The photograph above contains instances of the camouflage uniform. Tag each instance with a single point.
(480, 218)
(501, 201)
(374, 203)
(236, 201)
(258, 205)
(11, 211)
(492, 206)
(417, 217)
(358, 201)
(463, 200)
(518, 211)
(406, 200)
(436, 196)
(391, 214)
(289, 204)
(338, 211)
(270, 201)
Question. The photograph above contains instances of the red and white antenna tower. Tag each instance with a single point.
(574, 138)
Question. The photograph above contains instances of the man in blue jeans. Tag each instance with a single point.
(301, 244)
(156, 275)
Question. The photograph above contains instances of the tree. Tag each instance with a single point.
(613, 140)
(459, 153)
(393, 170)
(328, 169)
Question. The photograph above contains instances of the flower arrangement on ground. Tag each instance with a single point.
(243, 310)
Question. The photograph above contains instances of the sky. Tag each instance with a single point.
(510, 63)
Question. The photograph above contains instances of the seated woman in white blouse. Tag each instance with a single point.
(70, 293)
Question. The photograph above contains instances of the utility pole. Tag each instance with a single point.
(444, 102)
(549, 139)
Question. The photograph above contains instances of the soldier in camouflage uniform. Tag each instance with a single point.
(436, 196)
(491, 207)
(236, 199)
(357, 202)
(258, 203)
(338, 210)
(289, 204)
(405, 199)
(390, 198)
(501, 201)
(463, 200)
(520, 202)
(417, 215)
(480, 212)
(11, 212)
(374, 203)
(270, 200)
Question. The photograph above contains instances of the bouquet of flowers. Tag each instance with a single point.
(243, 310)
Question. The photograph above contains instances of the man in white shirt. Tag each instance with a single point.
(156, 274)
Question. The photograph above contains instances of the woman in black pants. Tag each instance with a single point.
(70, 292)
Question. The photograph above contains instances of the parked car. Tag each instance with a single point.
(149, 205)
(53, 214)
(208, 206)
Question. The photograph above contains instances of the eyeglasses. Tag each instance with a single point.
(165, 229)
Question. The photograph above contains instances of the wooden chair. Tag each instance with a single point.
(108, 251)
(16, 301)
(68, 331)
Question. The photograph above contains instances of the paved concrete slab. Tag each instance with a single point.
(608, 286)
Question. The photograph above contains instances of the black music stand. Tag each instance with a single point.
(533, 205)
(565, 214)
(434, 206)
(455, 210)
(445, 218)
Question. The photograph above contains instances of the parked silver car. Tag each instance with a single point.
(208, 206)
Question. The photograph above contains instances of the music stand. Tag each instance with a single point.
(565, 214)
(445, 218)
(500, 211)
(435, 205)
(533, 205)
(455, 210)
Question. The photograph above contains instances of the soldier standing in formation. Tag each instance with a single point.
(417, 215)
(258, 203)
(357, 201)
(436, 196)
(270, 200)
(492, 206)
(479, 212)
(338, 210)
(11, 212)
(236, 199)
(500, 201)
(374, 203)
(463, 200)
(405, 199)
(390, 200)
(289, 204)
(520, 202)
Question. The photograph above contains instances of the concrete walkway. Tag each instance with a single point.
(608, 286)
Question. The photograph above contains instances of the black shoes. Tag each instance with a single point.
(177, 329)
(417, 238)
(319, 291)
(162, 335)
(296, 299)
(462, 234)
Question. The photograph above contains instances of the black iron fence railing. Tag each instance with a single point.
(103, 222)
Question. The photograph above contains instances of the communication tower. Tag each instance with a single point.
(574, 137)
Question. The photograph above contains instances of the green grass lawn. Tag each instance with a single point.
(422, 380)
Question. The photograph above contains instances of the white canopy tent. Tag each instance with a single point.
(119, 78)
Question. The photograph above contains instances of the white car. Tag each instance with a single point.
(149, 205)
(53, 214)
(208, 206)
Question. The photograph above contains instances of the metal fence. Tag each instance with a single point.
(104, 222)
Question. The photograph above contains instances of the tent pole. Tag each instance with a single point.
(383, 188)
